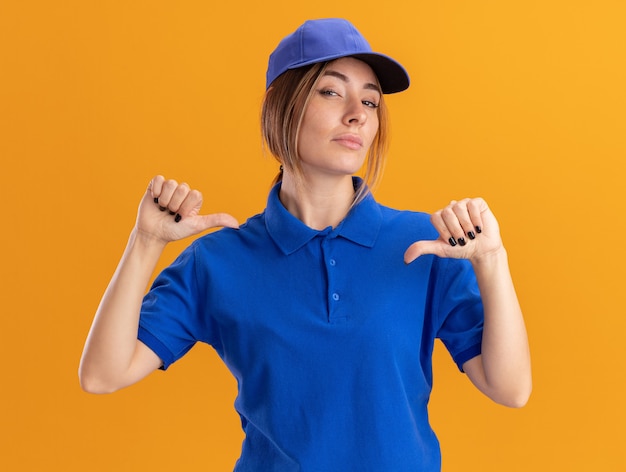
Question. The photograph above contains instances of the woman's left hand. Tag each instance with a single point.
(467, 230)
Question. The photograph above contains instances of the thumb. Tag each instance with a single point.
(215, 220)
(420, 248)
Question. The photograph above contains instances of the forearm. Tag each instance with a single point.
(505, 353)
(112, 341)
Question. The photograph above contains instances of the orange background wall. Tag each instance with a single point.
(521, 102)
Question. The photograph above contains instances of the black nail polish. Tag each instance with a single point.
(172, 212)
(177, 218)
(156, 199)
(479, 229)
(461, 241)
(162, 208)
(452, 241)
(471, 235)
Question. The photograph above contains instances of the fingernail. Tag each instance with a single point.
(471, 235)
(156, 199)
(479, 229)
(172, 212)
(452, 241)
(177, 218)
(462, 241)
(162, 208)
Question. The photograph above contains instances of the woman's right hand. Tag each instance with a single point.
(170, 211)
(113, 357)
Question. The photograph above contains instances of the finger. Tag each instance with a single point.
(461, 211)
(475, 207)
(450, 216)
(191, 204)
(168, 187)
(439, 222)
(178, 197)
(155, 186)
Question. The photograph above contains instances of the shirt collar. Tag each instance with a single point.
(360, 226)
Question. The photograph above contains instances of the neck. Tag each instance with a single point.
(317, 204)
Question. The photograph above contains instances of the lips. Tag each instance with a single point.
(351, 141)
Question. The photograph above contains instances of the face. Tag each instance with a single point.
(341, 119)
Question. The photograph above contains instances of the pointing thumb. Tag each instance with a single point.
(420, 248)
(216, 220)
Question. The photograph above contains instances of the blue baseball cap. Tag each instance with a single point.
(328, 39)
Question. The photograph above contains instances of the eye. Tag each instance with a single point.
(370, 104)
(328, 92)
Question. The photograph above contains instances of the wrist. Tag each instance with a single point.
(490, 259)
(146, 241)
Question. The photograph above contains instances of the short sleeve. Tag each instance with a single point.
(171, 319)
(459, 310)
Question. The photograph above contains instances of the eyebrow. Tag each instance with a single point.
(345, 78)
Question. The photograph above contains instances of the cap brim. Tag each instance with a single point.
(391, 75)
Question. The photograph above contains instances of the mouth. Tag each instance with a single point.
(351, 141)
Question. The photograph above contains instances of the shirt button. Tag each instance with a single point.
(332, 262)
(335, 296)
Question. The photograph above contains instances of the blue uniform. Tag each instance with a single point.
(328, 333)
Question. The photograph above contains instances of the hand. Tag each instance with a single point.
(467, 230)
(170, 211)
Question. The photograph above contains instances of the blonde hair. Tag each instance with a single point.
(283, 109)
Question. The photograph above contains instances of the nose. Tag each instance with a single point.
(355, 113)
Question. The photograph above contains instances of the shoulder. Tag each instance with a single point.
(230, 245)
(416, 223)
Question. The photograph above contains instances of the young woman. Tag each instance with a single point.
(325, 307)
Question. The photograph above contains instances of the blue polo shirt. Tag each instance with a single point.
(328, 333)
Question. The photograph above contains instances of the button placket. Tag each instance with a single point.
(333, 292)
(332, 262)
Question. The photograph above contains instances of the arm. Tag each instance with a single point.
(468, 229)
(113, 358)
